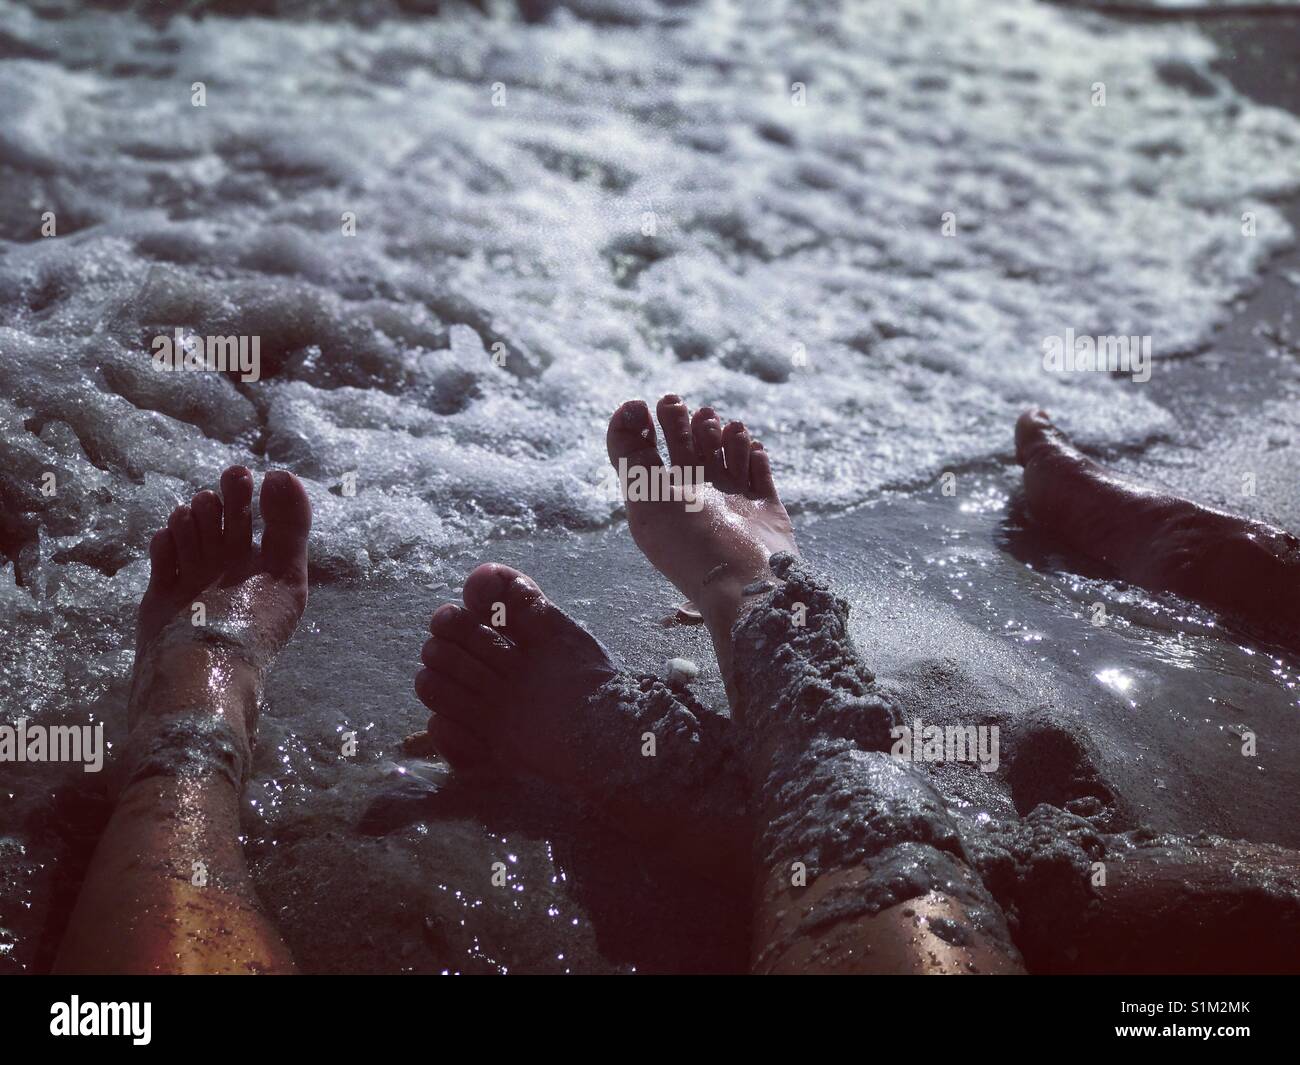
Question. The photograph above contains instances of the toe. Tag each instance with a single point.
(1033, 429)
(206, 510)
(287, 514)
(237, 505)
(186, 538)
(735, 444)
(457, 625)
(630, 439)
(511, 602)
(675, 421)
(450, 660)
(447, 697)
(706, 427)
(162, 560)
(457, 744)
(761, 483)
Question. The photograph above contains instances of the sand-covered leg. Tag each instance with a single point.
(517, 686)
(858, 866)
(1082, 900)
(167, 890)
(1157, 540)
(1177, 905)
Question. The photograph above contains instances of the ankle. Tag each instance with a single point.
(198, 743)
(193, 707)
(722, 619)
(730, 594)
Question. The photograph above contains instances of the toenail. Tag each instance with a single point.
(526, 583)
(445, 611)
(671, 400)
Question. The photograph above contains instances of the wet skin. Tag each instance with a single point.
(504, 671)
(500, 688)
(712, 554)
(1243, 568)
(167, 890)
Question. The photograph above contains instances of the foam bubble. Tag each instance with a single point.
(650, 210)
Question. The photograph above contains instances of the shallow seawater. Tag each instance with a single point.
(384, 862)
(1166, 691)
(654, 208)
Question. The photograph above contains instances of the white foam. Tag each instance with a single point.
(518, 230)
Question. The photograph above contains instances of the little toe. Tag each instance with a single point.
(460, 747)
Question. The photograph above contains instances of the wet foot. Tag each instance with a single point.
(219, 608)
(714, 541)
(505, 673)
(1157, 540)
(509, 675)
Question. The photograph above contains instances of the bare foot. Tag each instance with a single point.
(218, 609)
(1160, 541)
(510, 678)
(716, 544)
(504, 674)
(167, 890)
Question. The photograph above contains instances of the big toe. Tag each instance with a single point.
(1034, 429)
(511, 602)
(631, 439)
(286, 510)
